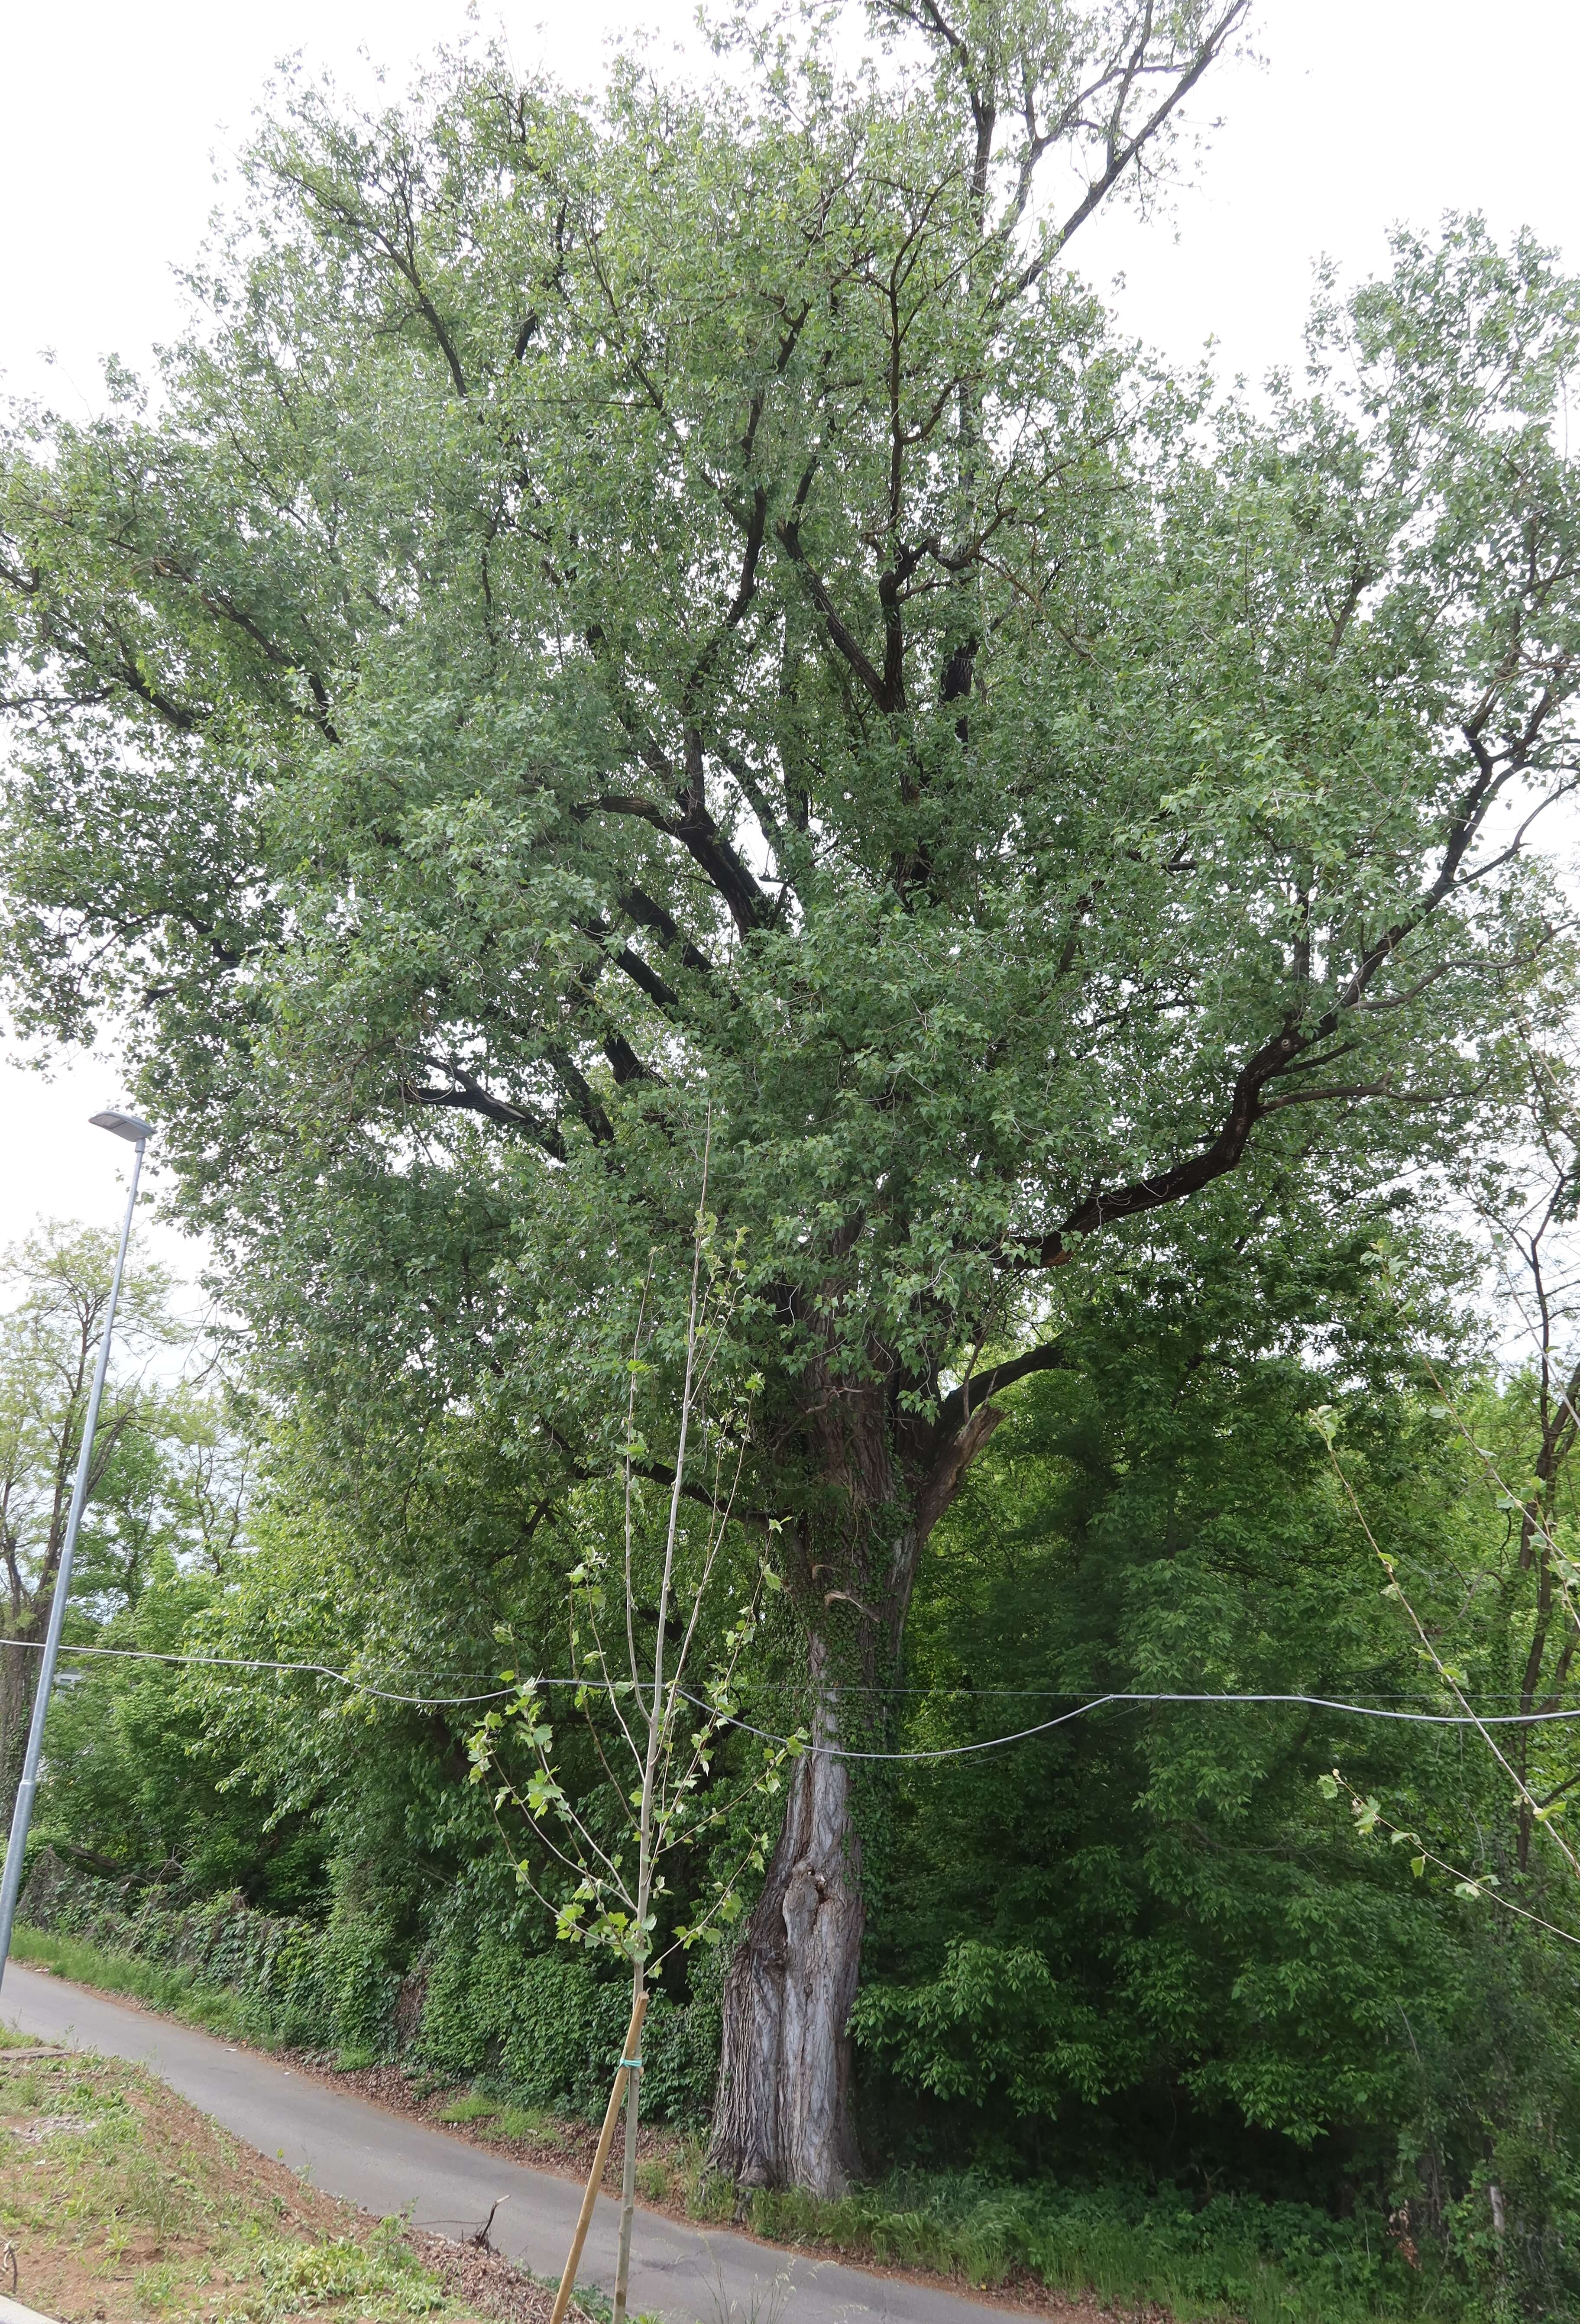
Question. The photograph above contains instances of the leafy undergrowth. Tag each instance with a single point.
(1265, 2263)
(1234, 2261)
(1235, 2258)
(120, 2202)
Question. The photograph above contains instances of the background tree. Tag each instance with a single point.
(58, 1282)
(1510, 1609)
(1528, 1195)
(1139, 1940)
(678, 608)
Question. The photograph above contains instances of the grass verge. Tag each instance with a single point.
(120, 2202)
(175, 1992)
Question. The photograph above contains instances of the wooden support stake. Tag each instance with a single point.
(606, 2140)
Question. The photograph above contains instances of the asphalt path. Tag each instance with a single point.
(387, 2162)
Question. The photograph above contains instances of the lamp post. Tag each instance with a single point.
(127, 1126)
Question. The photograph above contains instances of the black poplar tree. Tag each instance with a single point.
(679, 607)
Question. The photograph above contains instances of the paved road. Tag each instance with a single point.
(385, 2162)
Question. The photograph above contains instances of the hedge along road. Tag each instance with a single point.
(386, 2163)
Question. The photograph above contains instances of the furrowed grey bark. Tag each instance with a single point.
(783, 2116)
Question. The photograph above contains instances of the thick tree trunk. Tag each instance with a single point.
(783, 2116)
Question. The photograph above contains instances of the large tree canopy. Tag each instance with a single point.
(679, 609)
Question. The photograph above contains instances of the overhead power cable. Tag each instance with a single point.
(839, 1751)
(1046, 1726)
(313, 1670)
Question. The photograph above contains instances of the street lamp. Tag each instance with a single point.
(138, 1133)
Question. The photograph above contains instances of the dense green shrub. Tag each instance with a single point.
(545, 2026)
(359, 1980)
(276, 1964)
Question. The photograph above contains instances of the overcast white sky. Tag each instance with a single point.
(113, 120)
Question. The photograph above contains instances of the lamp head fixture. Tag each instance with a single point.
(124, 1125)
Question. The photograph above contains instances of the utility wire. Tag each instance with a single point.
(764, 1687)
(836, 1751)
(316, 1670)
(1309, 1702)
